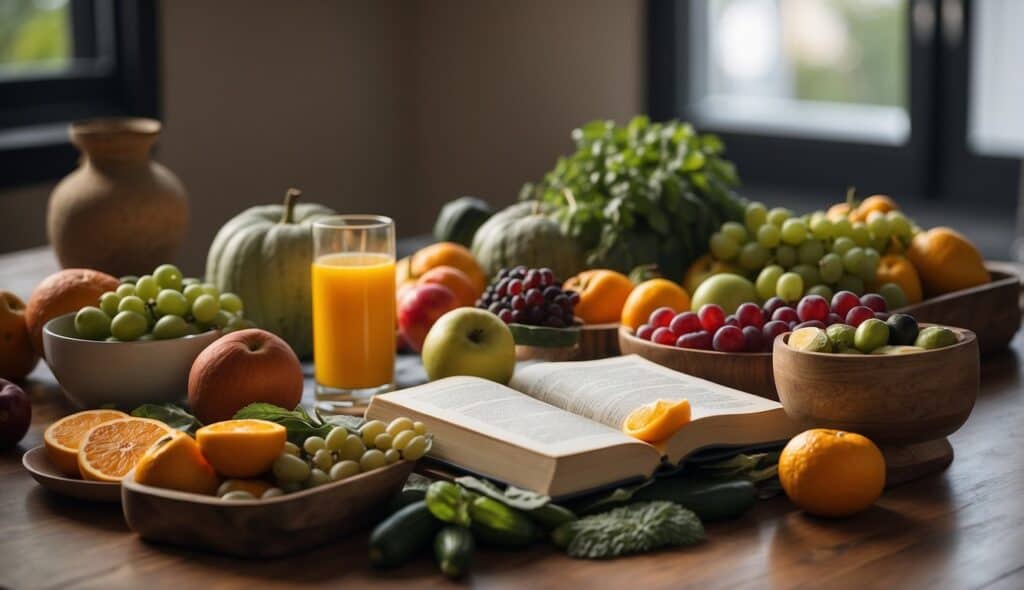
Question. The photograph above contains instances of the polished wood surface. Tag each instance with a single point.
(963, 528)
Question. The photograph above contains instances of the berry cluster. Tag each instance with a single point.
(531, 296)
(753, 328)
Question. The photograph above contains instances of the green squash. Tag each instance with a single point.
(459, 219)
(264, 255)
(523, 234)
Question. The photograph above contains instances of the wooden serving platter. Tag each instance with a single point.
(261, 528)
(39, 466)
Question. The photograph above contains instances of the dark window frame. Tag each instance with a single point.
(114, 73)
(934, 162)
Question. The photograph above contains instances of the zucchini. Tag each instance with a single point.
(403, 535)
(551, 516)
(496, 524)
(404, 498)
(709, 499)
(453, 549)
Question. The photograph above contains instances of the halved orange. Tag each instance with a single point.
(656, 421)
(241, 448)
(110, 450)
(175, 462)
(63, 437)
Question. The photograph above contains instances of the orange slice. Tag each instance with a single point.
(175, 462)
(110, 450)
(241, 448)
(655, 422)
(64, 436)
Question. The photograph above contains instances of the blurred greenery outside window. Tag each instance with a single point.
(35, 36)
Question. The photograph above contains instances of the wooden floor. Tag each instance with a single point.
(961, 529)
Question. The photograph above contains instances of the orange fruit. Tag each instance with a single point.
(241, 448)
(64, 437)
(650, 295)
(111, 449)
(63, 292)
(602, 293)
(658, 420)
(946, 261)
(457, 282)
(17, 355)
(880, 203)
(838, 211)
(175, 462)
(831, 473)
(894, 268)
(449, 254)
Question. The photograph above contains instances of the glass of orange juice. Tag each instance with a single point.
(353, 309)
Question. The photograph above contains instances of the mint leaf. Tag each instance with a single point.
(170, 414)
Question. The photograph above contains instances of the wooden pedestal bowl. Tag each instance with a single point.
(907, 404)
(748, 371)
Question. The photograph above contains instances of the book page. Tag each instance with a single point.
(508, 415)
(607, 390)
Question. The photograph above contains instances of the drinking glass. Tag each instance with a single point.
(353, 309)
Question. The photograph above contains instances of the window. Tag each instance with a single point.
(62, 60)
(824, 94)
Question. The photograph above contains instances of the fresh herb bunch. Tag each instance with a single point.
(635, 528)
(641, 194)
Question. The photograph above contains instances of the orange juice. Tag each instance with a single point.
(354, 320)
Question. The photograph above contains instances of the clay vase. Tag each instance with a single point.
(119, 212)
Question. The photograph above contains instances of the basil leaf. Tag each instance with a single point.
(170, 414)
(511, 496)
(297, 422)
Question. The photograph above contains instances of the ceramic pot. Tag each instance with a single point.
(119, 212)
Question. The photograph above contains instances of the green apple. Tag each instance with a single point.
(469, 341)
(727, 290)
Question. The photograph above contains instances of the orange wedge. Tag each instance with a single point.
(64, 436)
(175, 462)
(655, 422)
(241, 448)
(110, 450)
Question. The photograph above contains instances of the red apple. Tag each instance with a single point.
(242, 368)
(419, 309)
(15, 414)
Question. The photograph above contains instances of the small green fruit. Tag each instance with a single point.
(810, 340)
(841, 335)
(893, 295)
(870, 335)
(935, 337)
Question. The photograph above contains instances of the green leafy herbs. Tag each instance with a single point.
(511, 496)
(636, 528)
(641, 193)
(299, 424)
(170, 414)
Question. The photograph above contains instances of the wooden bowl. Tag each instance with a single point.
(48, 476)
(598, 341)
(261, 528)
(907, 404)
(748, 371)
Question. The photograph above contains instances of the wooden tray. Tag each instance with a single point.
(749, 371)
(48, 476)
(992, 311)
(261, 528)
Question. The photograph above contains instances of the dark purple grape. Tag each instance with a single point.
(554, 321)
(519, 317)
(502, 273)
(495, 307)
(568, 318)
(573, 296)
(535, 315)
(505, 315)
(534, 297)
(532, 279)
(554, 309)
(502, 289)
(518, 302)
(518, 272)
(547, 276)
(551, 292)
(562, 300)
(515, 287)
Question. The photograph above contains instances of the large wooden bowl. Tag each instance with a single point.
(907, 404)
(749, 371)
(261, 528)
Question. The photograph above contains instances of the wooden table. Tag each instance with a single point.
(961, 529)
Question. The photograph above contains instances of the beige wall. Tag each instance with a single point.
(390, 106)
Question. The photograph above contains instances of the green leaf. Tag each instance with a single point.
(611, 499)
(511, 496)
(637, 528)
(297, 422)
(170, 414)
(415, 481)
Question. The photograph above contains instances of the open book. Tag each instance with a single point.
(556, 429)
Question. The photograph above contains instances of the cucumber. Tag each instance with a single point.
(551, 516)
(709, 499)
(496, 524)
(404, 498)
(544, 337)
(453, 549)
(403, 535)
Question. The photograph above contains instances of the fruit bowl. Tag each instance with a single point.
(124, 374)
(261, 528)
(907, 404)
(747, 371)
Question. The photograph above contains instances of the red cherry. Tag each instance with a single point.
(753, 338)
(843, 302)
(812, 307)
(729, 339)
(515, 287)
(644, 332)
(749, 314)
(712, 317)
(772, 329)
(786, 314)
(700, 340)
(661, 317)
(547, 276)
(874, 301)
(685, 323)
(858, 314)
(663, 336)
(772, 304)
(730, 320)
(505, 315)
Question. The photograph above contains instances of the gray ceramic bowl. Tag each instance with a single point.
(124, 374)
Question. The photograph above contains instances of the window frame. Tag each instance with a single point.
(934, 162)
(114, 73)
